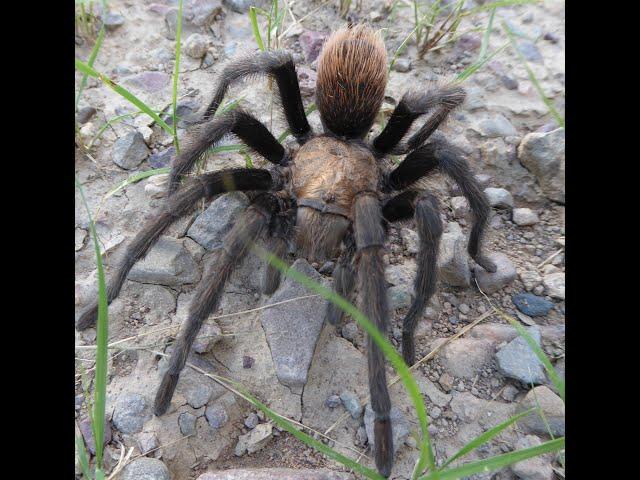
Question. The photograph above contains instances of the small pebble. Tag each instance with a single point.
(332, 401)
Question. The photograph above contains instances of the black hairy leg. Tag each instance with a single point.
(278, 65)
(441, 100)
(400, 207)
(429, 228)
(344, 279)
(237, 122)
(450, 160)
(207, 297)
(280, 236)
(372, 288)
(176, 206)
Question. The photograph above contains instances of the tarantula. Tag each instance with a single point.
(330, 196)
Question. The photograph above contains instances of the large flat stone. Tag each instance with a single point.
(275, 474)
(292, 329)
(168, 263)
(213, 224)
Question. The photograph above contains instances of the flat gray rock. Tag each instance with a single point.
(465, 357)
(516, 360)
(213, 224)
(146, 468)
(553, 408)
(129, 150)
(131, 412)
(168, 263)
(292, 329)
(543, 154)
(275, 474)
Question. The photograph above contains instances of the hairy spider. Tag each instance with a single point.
(332, 196)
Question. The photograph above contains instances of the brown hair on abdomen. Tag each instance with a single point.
(352, 76)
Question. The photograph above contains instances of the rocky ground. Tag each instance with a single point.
(310, 372)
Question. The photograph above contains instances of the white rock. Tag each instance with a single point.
(196, 45)
(554, 285)
(460, 207)
(499, 197)
(255, 440)
(525, 217)
(530, 279)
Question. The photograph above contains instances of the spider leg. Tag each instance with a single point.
(281, 232)
(429, 228)
(344, 279)
(238, 122)
(369, 236)
(236, 244)
(278, 65)
(412, 105)
(175, 207)
(449, 159)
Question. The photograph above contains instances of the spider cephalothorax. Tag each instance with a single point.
(332, 196)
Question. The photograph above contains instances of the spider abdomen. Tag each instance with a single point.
(326, 175)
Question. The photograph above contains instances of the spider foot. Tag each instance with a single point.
(485, 263)
(333, 314)
(88, 318)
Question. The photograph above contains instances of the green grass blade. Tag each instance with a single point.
(426, 451)
(497, 462)
(99, 474)
(474, 67)
(84, 68)
(485, 437)
(136, 178)
(83, 458)
(247, 160)
(402, 46)
(225, 148)
(552, 109)
(312, 108)
(553, 375)
(176, 73)
(484, 46)
(92, 58)
(498, 4)
(102, 337)
(312, 442)
(254, 26)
